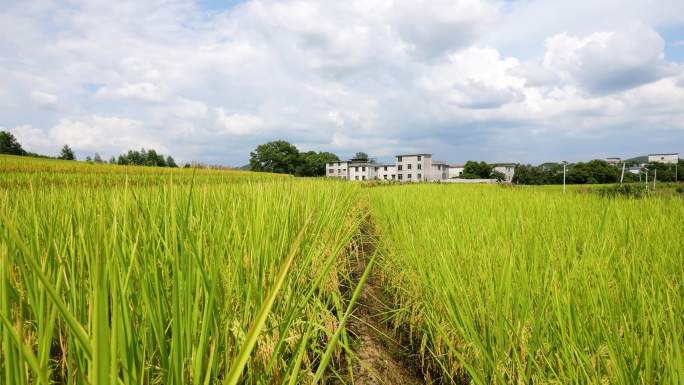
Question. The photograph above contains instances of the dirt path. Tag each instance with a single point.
(380, 357)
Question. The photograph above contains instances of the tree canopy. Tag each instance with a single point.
(477, 170)
(145, 158)
(284, 158)
(9, 144)
(67, 153)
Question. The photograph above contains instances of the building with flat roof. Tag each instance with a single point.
(508, 169)
(407, 168)
(671, 158)
(613, 161)
(455, 170)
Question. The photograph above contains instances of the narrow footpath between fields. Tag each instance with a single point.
(380, 358)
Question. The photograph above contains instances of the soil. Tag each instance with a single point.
(380, 358)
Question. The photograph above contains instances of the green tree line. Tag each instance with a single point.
(284, 158)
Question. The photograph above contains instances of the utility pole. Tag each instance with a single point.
(655, 175)
(622, 176)
(564, 163)
(646, 179)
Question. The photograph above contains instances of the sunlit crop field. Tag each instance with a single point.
(506, 285)
(136, 275)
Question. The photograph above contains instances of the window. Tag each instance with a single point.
(409, 176)
(398, 159)
(419, 176)
(356, 168)
(363, 177)
(419, 158)
(399, 176)
(385, 168)
(399, 167)
(363, 168)
(339, 171)
(331, 171)
(376, 169)
(393, 177)
(409, 166)
(356, 177)
(384, 176)
(420, 166)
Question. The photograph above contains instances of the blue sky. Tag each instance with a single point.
(208, 80)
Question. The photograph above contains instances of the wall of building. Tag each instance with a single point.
(664, 158)
(507, 170)
(337, 170)
(455, 172)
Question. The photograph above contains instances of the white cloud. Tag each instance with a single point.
(145, 91)
(471, 78)
(237, 124)
(44, 99)
(609, 61)
(108, 134)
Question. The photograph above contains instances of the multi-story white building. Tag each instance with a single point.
(508, 169)
(408, 168)
(386, 171)
(672, 158)
(337, 169)
(420, 168)
(362, 171)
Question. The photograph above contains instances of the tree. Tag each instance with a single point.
(97, 158)
(170, 162)
(278, 156)
(312, 163)
(67, 153)
(9, 144)
(475, 170)
(361, 156)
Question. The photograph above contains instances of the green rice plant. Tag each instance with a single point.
(115, 275)
(535, 286)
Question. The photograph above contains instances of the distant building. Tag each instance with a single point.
(407, 168)
(634, 170)
(455, 170)
(420, 168)
(613, 161)
(508, 169)
(672, 158)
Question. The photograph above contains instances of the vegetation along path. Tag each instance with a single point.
(379, 357)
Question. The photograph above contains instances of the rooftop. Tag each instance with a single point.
(671, 153)
(413, 155)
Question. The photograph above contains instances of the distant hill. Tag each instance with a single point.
(638, 159)
(245, 167)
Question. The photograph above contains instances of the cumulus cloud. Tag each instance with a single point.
(608, 62)
(471, 78)
(44, 99)
(144, 91)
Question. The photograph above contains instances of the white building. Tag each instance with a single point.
(408, 168)
(337, 169)
(613, 161)
(420, 168)
(386, 171)
(362, 171)
(455, 170)
(672, 158)
(508, 169)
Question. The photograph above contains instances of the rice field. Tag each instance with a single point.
(136, 275)
(145, 276)
(531, 286)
